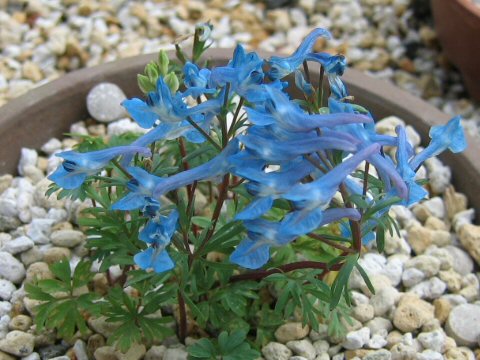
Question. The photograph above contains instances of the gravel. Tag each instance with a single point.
(390, 39)
(425, 281)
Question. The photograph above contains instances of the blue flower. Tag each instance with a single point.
(196, 80)
(157, 233)
(244, 74)
(77, 166)
(269, 186)
(449, 136)
(282, 66)
(282, 112)
(312, 198)
(161, 105)
(254, 251)
(334, 66)
(276, 151)
(212, 169)
(141, 188)
(415, 191)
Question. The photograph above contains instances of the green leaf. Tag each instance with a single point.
(172, 82)
(341, 282)
(365, 278)
(380, 238)
(163, 62)
(202, 349)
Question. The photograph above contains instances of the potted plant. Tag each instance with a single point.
(187, 244)
(457, 23)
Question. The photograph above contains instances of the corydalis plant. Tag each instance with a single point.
(244, 189)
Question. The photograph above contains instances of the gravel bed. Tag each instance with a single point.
(392, 39)
(426, 306)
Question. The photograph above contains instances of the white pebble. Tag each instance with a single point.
(356, 339)
(104, 102)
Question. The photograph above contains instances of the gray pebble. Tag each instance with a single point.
(103, 102)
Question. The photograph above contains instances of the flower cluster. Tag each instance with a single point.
(296, 158)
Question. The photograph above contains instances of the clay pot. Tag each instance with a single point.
(457, 23)
(46, 112)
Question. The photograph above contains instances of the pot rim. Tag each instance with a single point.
(48, 110)
(469, 6)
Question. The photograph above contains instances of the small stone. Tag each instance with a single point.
(363, 312)
(39, 230)
(412, 276)
(94, 342)
(430, 289)
(156, 352)
(56, 254)
(429, 355)
(32, 356)
(20, 322)
(302, 348)
(454, 202)
(442, 309)
(5, 308)
(18, 245)
(5, 182)
(175, 354)
(442, 254)
(276, 351)
(435, 206)
(101, 326)
(38, 271)
(356, 339)
(27, 157)
(80, 350)
(378, 355)
(429, 265)
(434, 340)
(462, 324)
(412, 313)
(124, 126)
(321, 346)
(8, 223)
(459, 354)
(452, 279)
(103, 102)
(379, 325)
(469, 237)
(18, 343)
(31, 71)
(10, 268)
(377, 341)
(321, 334)
(291, 331)
(419, 238)
(6, 289)
(435, 223)
(402, 351)
(51, 146)
(383, 300)
(67, 238)
(462, 262)
(393, 338)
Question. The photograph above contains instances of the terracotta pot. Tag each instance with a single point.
(457, 23)
(48, 111)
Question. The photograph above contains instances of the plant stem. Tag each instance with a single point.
(182, 326)
(122, 169)
(205, 135)
(365, 178)
(306, 71)
(354, 225)
(331, 243)
(216, 213)
(320, 87)
(261, 274)
(223, 121)
(235, 117)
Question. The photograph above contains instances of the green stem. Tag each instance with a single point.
(122, 169)
(235, 117)
(205, 135)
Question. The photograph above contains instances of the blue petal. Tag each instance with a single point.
(255, 209)
(67, 180)
(250, 255)
(144, 258)
(140, 112)
(162, 262)
(130, 202)
(300, 222)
